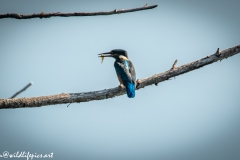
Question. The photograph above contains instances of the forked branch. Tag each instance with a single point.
(23, 89)
(117, 91)
(59, 14)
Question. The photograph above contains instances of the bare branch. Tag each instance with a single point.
(28, 85)
(59, 14)
(117, 91)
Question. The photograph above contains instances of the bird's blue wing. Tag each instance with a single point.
(123, 72)
(126, 74)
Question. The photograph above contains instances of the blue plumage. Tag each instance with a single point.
(130, 88)
(126, 75)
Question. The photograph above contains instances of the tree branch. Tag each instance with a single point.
(28, 85)
(117, 91)
(59, 14)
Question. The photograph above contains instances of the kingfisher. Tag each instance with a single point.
(124, 68)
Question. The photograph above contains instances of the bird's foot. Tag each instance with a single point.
(121, 86)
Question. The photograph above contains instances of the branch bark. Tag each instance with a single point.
(117, 91)
(59, 14)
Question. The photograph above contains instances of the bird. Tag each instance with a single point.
(124, 69)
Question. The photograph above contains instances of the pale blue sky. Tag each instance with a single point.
(195, 116)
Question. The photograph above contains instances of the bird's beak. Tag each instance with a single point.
(106, 54)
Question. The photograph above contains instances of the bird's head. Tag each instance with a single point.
(115, 53)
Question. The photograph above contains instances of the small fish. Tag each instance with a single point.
(102, 56)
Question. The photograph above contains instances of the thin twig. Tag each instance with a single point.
(28, 85)
(218, 52)
(69, 104)
(59, 14)
(174, 65)
(117, 91)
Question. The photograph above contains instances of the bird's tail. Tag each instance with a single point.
(130, 88)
